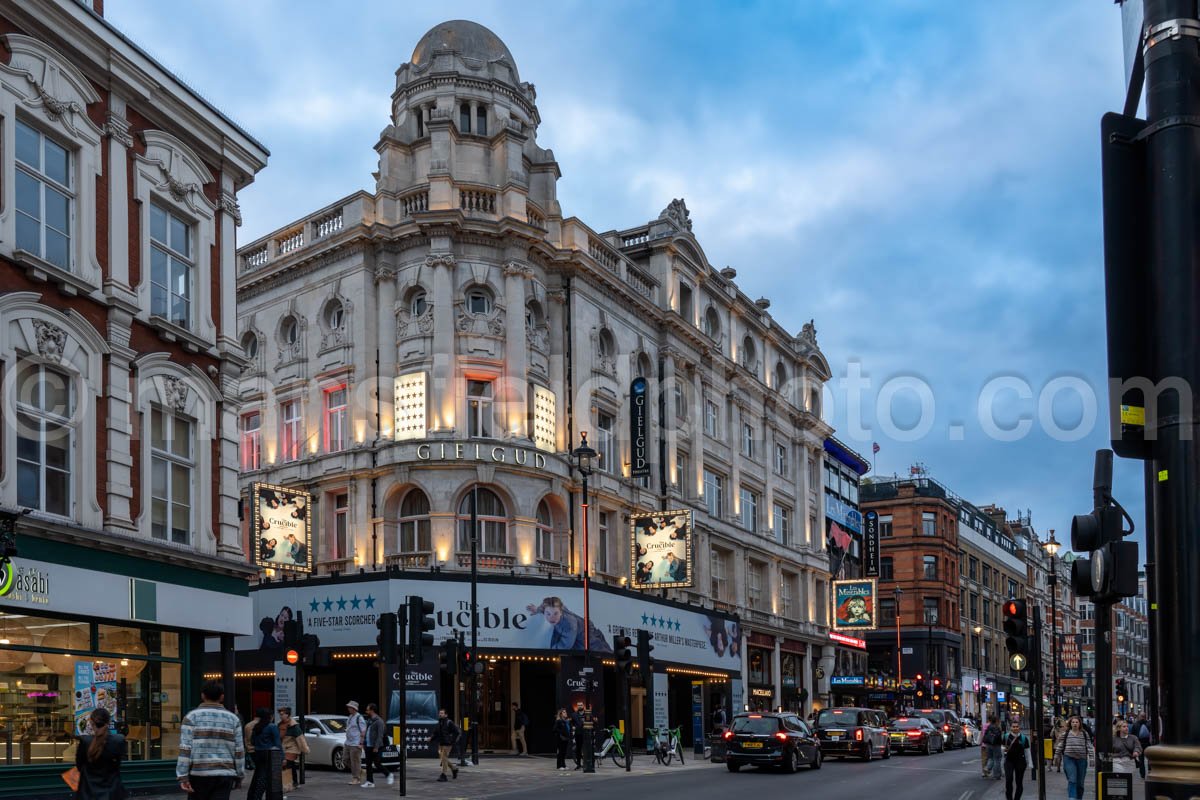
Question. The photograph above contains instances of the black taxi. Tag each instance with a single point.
(771, 740)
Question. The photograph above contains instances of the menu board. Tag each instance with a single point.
(95, 687)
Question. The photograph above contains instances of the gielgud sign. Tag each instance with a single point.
(536, 615)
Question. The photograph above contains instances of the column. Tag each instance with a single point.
(776, 666)
(385, 341)
(734, 437)
(516, 354)
(669, 421)
(806, 679)
(557, 328)
(120, 140)
(697, 476)
(230, 218)
(442, 390)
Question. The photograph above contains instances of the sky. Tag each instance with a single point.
(921, 179)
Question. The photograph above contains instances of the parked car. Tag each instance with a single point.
(860, 732)
(915, 735)
(771, 740)
(326, 734)
(973, 735)
(947, 722)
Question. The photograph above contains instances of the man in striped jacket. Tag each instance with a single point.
(212, 757)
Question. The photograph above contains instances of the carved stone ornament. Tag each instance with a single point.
(178, 188)
(677, 214)
(385, 273)
(517, 269)
(228, 203)
(808, 334)
(440, 260)
(51, 340)
(557, 296)
(176, 393)
(117, 129)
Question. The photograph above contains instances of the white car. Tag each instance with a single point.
(326, 734)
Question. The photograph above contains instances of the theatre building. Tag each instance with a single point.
(118, 360)
(447, 339)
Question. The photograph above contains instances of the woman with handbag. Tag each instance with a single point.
(98, 759)
(294, 744)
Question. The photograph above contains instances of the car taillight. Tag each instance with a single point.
(781, 736)
(727, 735)
(914, 733)
(946, 728)
(858, 735)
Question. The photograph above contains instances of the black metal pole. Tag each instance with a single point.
(402, 680)
(589, 744)
(1104, 688)
(1172, 63)
(1152, 601)
(476, 712)
(1038, 758)
(459, 683)
(1054, 631)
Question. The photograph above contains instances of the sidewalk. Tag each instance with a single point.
(495, 775)
(1056, 787)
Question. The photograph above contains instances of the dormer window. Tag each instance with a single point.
(464, 118)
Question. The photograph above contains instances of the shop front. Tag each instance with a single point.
(530, 641)
(122, 634)
(792, 654)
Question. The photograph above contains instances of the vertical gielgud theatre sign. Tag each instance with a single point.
(282, 527)
(639, 464)
(661, 550)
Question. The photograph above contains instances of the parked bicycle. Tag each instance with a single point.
(665, 745)
(613, 746)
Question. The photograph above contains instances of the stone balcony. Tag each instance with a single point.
(307, 235)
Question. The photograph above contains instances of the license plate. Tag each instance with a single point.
(835, 734)
(752, 745)
(897, 737)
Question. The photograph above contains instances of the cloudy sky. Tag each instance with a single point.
(920, 178)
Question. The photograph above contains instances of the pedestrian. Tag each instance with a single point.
(444, 735)
(98, 758)
(1072, 750)
(520, 721)
(1126, 749)
(356, 729)
(992, 738)
(1145, 738)
(719, 720)
(268, 762)
(1016, 747)
(562, 737)
(577, 732)
(1059, 733)
(212, 758)
(294, 745)
(374, 742)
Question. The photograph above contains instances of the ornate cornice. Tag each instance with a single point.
(116, 128)
(440, 260)
(517, 269)
(228, 203)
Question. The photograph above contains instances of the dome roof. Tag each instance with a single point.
(468, 39)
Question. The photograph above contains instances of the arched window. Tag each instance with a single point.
(644, 368)
(335, 315)
(289, 330)
(414, 523)
(747, 353)
(493, 522)
(481, 120)
(814, 401)
(464, 118)
(712, 323)
(533, 315)
(607, 346)
(479, 300)
(417, 303)
(250, 345)
(546, 545)
(780, 377)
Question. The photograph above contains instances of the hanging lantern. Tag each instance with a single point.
(126, 641)
(70, 636)
(13, 632)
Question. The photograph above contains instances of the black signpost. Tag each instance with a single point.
(639, 463)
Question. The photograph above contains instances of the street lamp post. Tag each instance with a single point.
(979, 690)
(1052, 548)
(930, 653)
(583, 456)
(899, 669)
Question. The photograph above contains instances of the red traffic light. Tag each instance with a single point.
(1014, 608)
(920, 676)
(292, 656)
(937, 681)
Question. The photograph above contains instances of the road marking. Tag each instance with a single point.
(966, 795)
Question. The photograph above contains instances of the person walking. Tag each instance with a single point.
(374, 742)
(212, 757)
(1072, 751)
(1145, 738)
(1056, 738)
(562, 737)
(444, 735)
(294, 746)
(268, 763)
(719, 720)
(577, 733)
(356, 731)
(98, 759)
(520, 722)
(992, 744)
(1126, 749)
(1016, 760)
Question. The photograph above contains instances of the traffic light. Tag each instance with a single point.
(386, 640)
(1017, 633)
(468, 663)
(309, 645)
(645, 662)
(448, 658)
(292, 631)
(420, 627)
(624, 656)
(1120, 690)
(1111, 569)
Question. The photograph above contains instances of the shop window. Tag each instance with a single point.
(759, 662)
(479, 409)
(337, 421)
(251, 445)
(44, 196)
(172, 471)
(493, 523)
(45, 439)
(291, 434)
(171, 266)
(414, 523)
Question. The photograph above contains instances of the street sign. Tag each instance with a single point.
(292, 656)
(1018, 661)
(1000, 697)
(908, 651)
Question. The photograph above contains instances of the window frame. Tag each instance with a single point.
(410, 525)
(291, 431)
(749, 500)
(748, 436)
(545, 540)
(782, 462)
(45, 181)
(493, 528)
(173, 255)
(606, 446)
(46, 417)
(714, 493)
(781, 519)
(928, 562)
(171, 459)
(335, 418)
(887, 568)
(251, 441)
(603, 530)
(481, 408)
(339, 539)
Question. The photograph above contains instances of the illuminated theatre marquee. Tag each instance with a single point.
(475, 451)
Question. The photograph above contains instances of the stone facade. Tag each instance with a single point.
(475, 332)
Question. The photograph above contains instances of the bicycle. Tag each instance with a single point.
(614, 746)
(654, 745)
(675, 737)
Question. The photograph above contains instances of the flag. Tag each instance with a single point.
(874, 447)
(840, 537)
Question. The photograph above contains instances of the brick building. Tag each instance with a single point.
(119, 357)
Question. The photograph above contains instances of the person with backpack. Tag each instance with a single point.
(719, 720)
(1142, 731)
(1016, 760)
(1073, 749)
(991, 746)
(520, 722)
